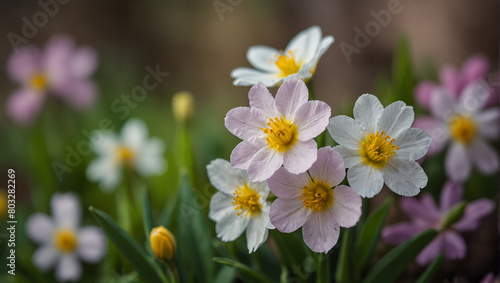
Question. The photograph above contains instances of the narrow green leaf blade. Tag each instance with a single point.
(244, 268)
(431, 270)
(144, 264)
(395, 262)
(167, 213)
(147, 213)
(344, 265)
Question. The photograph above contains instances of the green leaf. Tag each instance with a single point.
(290, 257)
(370, 235)
(402, 73)
(144, 264)
(244, 268)
(344, 265)
(225, 275)
(431, 270)
(194, 236)
(455, 214)
(395, 262)
(168, 211)
(147, 213)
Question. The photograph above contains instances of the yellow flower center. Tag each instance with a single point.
(287, 64)
(317, 196)
(281, 133)
(463, 129)
(65, 241)
(124, 155)
(38, 82)
(247, 200)
(377, 149)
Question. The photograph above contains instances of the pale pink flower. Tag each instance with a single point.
(317, 203)
(277, 131)
(424, 214)
(60, 69)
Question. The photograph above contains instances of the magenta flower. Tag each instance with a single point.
(466, 125)
(277, 131)
(61, 70)
(424, 214)
(455, 81)
(317, 203)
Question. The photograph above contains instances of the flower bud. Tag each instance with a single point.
(183, 106)
(162, 243)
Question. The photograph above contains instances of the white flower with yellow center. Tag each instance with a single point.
(239, 204)
(132, 150)
(277, 131)
(62, 241)
(379, 146)
(299, 59)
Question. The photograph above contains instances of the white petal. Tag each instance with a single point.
(40, 228)
(300, 156)
(474, 96)
(104, 143)
(150, 160)
(321, 232)
(346, 131)
(457, 163)
(261, 99)
(365, 180)
(311, 119)
(325, 44)
(224, 177)
(45, 257)
(367, 111)
(329, 167)
(395, 118)
(92, 244)
(263, 57)
(404, 177)
(484, 157)
(346, 206)
(305, 44)
(442, 103)
(231, 226)
(249, 77)
(68, 268)
(220, 205)
(66, 210)
(134, 133)
(257, 230)
(489, 121)
(104, 171)
(290, 96)
(351, 156)
(413, 143)
(264, 164)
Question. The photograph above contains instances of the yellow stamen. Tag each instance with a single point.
(66, 241)
(317, 196)
(281, 133)
(247, 201)
(463, 129)
(38, 82)
(287, 64)
(124, 155)
(377, 149)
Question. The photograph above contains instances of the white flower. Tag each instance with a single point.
(275, 67)
(379, 146)
(238, 205)
(132, 150)
(62, 241)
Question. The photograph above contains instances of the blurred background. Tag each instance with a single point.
(198, 43)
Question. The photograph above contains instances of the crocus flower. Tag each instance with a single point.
(455, 81)
(273, 67)
(379, 146)
(239, 205)
(466, 125)
(132, 150)
(277, 131)
(315, 202)
(424, 214)
(61, 70)
(62, 241)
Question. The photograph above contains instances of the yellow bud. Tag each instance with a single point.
(162, 243)
(183, 106)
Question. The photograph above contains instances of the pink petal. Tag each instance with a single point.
(367, 111)
(24, 105)
(263, 58)
(311, 119)
(83, 62)
(413, 143)
(475, 68)
(423, 93)
(424, 209)
(437, 129)
(39, 228)
(346, 207)
(264, 163)
(365, 180)
(400, 232)
(291, 94)
(321, 232)
(287, 185)
(442, 102)
(474, 212)
(300, 156)
(243, 153)
(451, 80)
(489, 278)
(79, 94)
(451, 194)
(288, 215)
(474, 96)
(346, 131)
(329, 167)
(429, 253)
(24, 63)
(56, 58)
(395, 118)
(484, 157)
(454, 246)
(489, 121)
(245, 123)
(262, 100)
(404, 177)
(457, 163)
